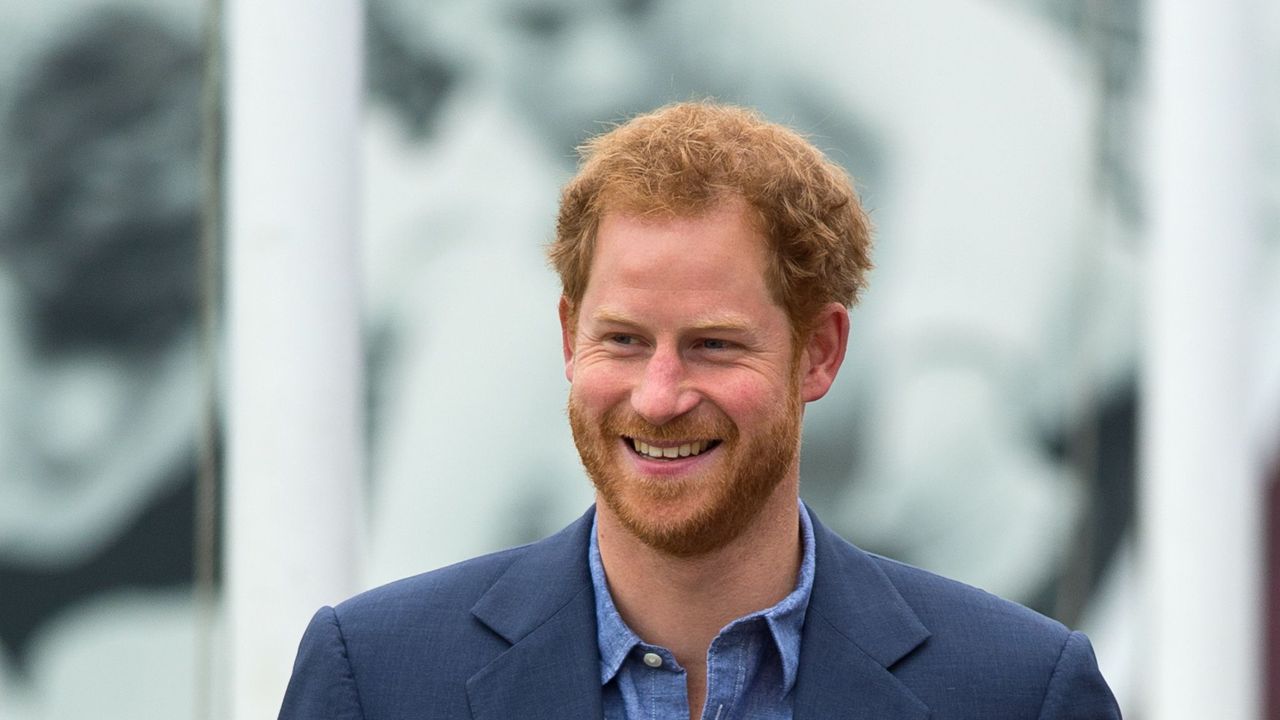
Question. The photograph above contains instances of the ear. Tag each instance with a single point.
(824, 351)
(568, 329)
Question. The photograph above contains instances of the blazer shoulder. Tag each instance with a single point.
(997, 653)
(408, 648)
(404, 649)
(944, 605)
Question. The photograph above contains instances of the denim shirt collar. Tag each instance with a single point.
(785, 619)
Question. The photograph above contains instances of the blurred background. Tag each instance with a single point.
(988, 424)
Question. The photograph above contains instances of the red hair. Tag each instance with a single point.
(684, 159)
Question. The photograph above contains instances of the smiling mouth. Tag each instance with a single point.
(673, 452)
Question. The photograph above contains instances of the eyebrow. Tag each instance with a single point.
(716, 322)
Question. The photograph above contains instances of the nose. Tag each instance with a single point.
(663, 392)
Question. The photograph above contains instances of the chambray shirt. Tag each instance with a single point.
(751, 664)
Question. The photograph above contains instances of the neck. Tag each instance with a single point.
(682, 603)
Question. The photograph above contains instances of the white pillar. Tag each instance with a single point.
(294, 395)
(1200, 491)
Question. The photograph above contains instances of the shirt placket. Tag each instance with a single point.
(663, 683)
(728, 661)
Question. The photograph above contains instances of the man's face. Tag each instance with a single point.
(685, 402)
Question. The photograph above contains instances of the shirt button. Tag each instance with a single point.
(653, 660)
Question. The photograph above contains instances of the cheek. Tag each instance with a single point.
(597, 387)
(743, 398)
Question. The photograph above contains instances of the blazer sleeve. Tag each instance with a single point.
(1077, 690)
(323, 686)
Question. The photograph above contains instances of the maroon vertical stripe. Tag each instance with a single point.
(1273, 594)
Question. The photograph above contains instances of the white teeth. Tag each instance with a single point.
(680, 451)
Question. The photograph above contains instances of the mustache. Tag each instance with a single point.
(712, 426)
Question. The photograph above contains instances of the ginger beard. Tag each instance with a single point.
(730, 494)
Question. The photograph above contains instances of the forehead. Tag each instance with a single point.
(696, 271)
(720, 247)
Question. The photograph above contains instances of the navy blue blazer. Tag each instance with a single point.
(513, 635)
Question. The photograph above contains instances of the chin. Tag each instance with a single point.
(683, 522)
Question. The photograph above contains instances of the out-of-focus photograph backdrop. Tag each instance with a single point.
(992, 421)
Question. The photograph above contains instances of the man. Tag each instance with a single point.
(708, 260)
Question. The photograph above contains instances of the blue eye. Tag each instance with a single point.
(622, 339)
(714, 344)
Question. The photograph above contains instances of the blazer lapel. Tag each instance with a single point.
(544, 606)
(857, 626)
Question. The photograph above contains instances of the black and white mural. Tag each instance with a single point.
(100, 391)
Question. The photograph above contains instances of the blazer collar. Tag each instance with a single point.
(544, 606)
(857, 627)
